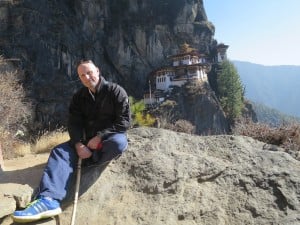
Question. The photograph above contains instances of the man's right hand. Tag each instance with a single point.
(83, 151)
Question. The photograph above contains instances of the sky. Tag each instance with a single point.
(265, 32)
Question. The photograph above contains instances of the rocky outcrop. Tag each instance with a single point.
(127, 38)
(172, 178)
(198, 104)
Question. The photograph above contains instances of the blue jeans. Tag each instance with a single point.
(62, 164)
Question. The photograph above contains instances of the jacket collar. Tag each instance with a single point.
(100, 86)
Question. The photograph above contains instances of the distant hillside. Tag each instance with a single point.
(272, 116)
(273, 86)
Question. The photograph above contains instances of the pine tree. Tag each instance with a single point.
(231, 90)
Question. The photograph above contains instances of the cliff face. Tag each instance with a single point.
(200, 105)
(126, 38)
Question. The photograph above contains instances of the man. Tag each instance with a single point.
(99, 116)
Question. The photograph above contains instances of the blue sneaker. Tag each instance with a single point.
(43, 207)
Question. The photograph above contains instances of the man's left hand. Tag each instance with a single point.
(94, 143)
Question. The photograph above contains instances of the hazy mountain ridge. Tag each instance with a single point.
(274, 86)
(272, 116)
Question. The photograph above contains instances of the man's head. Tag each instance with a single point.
(89, 74)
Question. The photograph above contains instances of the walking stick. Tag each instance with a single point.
(76, 191)
(77, 185)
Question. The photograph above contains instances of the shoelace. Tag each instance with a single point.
(32, 203)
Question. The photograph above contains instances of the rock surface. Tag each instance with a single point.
(13, 196)
(168, 178)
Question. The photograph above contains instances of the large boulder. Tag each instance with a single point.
(168, 178)
(174, 178)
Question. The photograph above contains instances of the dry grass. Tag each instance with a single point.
(49, 140)
(8, 144)
(21, 149)
(11, 146)
(16, 148)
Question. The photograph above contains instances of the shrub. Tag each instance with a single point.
(285, 136)
(144, 119)
(184, 126)
(140, 118)
(15, 109)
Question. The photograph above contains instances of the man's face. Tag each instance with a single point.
(89, 75)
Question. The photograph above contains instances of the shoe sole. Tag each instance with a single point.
(42, 215)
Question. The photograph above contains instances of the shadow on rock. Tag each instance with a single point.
(89, 175)
(30, 176)
(48, 221)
